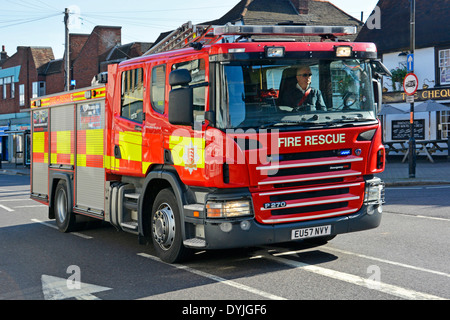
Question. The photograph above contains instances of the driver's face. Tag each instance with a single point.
(304, 77)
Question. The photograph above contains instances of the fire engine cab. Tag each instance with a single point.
(208, 141)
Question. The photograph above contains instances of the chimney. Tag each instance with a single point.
(301, 6)
(3, 54)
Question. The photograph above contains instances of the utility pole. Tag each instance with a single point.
(67, 56)
(412, 141)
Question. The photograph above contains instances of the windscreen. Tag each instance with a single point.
(322, 93)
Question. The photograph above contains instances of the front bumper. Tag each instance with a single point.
(211, 233)
(220, 236)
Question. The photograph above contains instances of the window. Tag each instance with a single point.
(13, 89)
(21, 94)
(7, 80)
(445, 124)
(264, 93)
(444, 66)
(38, 89)
(197, 71)
(133, 95)
(157, 91)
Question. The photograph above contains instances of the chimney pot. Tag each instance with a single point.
(302, 6)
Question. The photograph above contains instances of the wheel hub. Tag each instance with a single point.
(164, 226)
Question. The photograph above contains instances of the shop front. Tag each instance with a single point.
(431, 121)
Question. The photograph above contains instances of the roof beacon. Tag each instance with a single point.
(283, 30)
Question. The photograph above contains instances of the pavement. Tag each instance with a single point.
(395, 174)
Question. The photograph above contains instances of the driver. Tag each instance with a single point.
(304, 97)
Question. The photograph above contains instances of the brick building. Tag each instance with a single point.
(33, 72)
(19, 81)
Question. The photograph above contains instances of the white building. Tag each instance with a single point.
(389, 29)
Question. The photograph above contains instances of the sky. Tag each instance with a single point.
(41, 22)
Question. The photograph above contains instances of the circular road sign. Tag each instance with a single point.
(410, 84)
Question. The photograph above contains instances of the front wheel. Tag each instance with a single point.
(165, 228)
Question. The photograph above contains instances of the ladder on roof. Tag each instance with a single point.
(180, 38)
(188, 34)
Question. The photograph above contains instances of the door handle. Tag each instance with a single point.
(117, 153)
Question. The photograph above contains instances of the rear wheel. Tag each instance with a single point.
(65, 218)
(165, 225)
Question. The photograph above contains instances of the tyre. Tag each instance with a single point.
(65, 218)
(165, 226)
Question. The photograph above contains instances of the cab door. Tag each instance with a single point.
(187, 146)
(129, 118)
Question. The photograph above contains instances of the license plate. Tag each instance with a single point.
(311, 232)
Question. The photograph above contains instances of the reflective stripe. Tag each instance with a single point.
(131, 146)
(64, 142)
(90, 148)
(69, 97)
(39, 142)
(107, 161)
(40, 147)
(94, 142)
(62, 151)
(145, 166)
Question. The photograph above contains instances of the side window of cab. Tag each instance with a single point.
(157, 88)
(197, 69)
(132, 101)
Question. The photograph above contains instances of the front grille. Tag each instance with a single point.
(309, 185)
(309, 155)
(310, 209)
(311, 202)
(309, 194)
(306, 170)
(307, 167)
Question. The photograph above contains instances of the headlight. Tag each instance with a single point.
(343, 51)
(374, 193)
(228, 209)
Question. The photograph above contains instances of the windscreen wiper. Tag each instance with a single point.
(347, 120)
(289, 123)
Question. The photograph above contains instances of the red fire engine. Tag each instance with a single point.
(209, 141)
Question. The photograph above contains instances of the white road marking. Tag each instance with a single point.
(417, 188)
(55, 288)
(31, 206)
(357, 280)
(421, 216)
(218, 279)
(6, 208)
(55, 227)
(389, 262)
